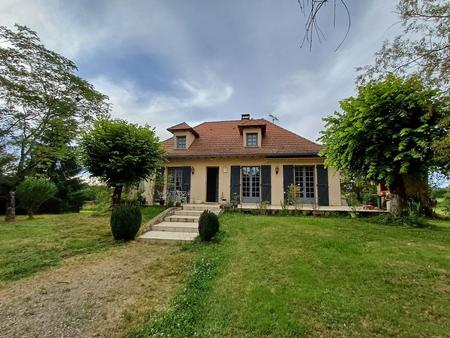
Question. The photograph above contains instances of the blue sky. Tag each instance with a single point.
(164, 62)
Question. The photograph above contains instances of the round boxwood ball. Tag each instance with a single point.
(125, 221)
(208, 225)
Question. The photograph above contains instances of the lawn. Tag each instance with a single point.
(27, 246)
(313, 276)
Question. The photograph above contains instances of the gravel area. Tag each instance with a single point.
(98, 295)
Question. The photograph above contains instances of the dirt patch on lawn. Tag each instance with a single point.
(99, 295)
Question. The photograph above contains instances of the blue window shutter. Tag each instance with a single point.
(322, 185)
(266, 186)
(187, 180)
(235, 188)
(288, 179)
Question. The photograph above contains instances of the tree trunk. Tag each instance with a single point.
(398, 198)
(417, 190)
(116, 195)
(411, 187)
(10, 215)
(396, 205)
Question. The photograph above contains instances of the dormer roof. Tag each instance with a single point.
(183, 126)
(258, 123)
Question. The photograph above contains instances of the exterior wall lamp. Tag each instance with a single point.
(192, 170)
(277, 169)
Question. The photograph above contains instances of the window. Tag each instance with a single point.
(176, 179)
(181, 142)
(250, 184)
(304, 177)
(251, 139)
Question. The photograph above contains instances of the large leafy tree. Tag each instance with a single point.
(40, 95)
(121, 153)
(386, 133)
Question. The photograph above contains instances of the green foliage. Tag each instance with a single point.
(441, 146)
(263, 207)
(43, 103)
(208, 225)
(411, 217)
(405, 220)
(358, 190)
(385, 134)
(386, 131)
(235, 200)
(100, 195)
(71, 191)
(439, 192)
(34, 191)
(121, 153)
(445, 205)
(125, 221)
(293, 195)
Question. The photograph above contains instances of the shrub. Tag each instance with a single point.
(405, 219)
(293, 194)
(446, 203)
(208, 225)
(34, 191)
(125, 221)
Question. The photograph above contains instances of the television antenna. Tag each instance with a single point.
(274, 118)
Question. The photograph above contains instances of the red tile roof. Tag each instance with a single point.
(222, 138)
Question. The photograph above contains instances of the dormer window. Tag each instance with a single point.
(251, 139)
(181, 142)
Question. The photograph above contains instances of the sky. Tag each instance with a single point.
(170, 61)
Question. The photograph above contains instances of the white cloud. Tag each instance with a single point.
(161, 109)
(218, 59)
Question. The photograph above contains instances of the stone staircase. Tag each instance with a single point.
(179, 227)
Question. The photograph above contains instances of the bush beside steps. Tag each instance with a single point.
(208, 225)
(125, 221)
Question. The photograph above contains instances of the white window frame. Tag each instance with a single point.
(255, 145)
(177, 144)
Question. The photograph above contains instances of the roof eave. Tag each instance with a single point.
(267, 155)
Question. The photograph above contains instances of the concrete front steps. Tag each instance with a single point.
(176, 227)
(179, 227)
(183, 218)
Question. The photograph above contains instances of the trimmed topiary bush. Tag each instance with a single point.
(208, 225)
(125, 221)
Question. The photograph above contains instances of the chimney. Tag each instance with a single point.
(245, 117)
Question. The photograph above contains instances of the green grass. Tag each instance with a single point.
(27, 246)
(301, 276)
(149, 212)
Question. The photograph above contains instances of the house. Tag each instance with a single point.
(249, 160)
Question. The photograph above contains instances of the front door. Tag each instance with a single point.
(251, 184)
(212, 184)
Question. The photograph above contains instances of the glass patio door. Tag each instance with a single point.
(251, 184)
(304, 177)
